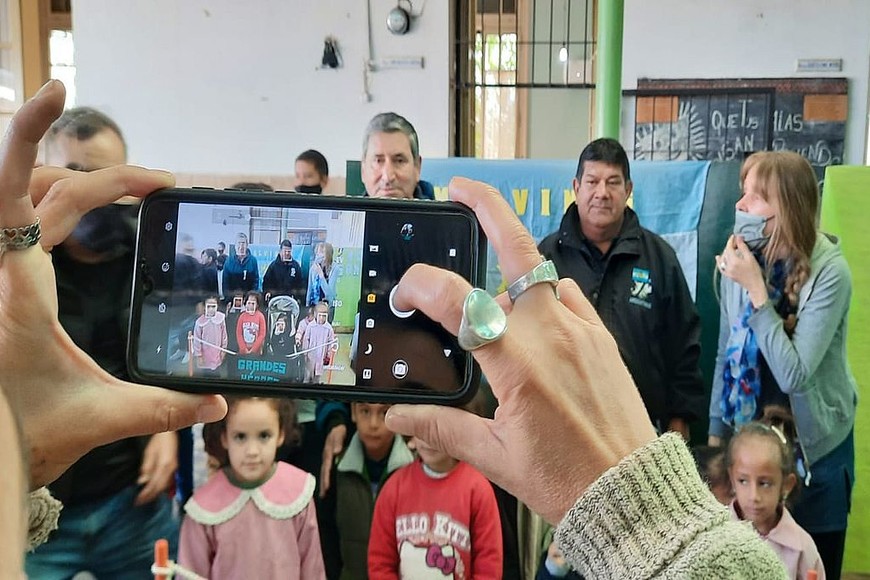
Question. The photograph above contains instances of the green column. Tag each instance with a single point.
(608, 77)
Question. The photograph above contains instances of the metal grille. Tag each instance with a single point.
(543, 43)
(503, 48)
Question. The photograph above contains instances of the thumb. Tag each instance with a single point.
(130, 410)
(458, 433)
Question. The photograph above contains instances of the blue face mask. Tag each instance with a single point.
(751, 228)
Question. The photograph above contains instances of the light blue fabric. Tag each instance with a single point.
(685, 245)
(329, 289)
(668, 197)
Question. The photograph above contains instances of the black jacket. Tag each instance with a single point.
(93, 307)
(643, 300)
(285, 278)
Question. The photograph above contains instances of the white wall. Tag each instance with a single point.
(224, 86)
(684, 39)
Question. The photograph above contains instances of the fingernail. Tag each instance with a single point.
(211, 411)
(168, 177)
(44, 88)
(394, 418)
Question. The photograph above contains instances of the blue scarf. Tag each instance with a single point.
(741, 386)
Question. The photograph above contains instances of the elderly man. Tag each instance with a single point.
(391, 159)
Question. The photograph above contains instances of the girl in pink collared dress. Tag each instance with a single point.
(761, 466)
(255, 517)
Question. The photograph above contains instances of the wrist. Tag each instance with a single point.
(758, 295)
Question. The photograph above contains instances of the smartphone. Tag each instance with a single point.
(283, 294)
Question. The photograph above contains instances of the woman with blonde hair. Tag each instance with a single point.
(784, 302)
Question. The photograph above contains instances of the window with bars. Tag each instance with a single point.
(504, 47)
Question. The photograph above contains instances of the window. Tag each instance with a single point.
(506, 50)
(61, 55)
(11, 82)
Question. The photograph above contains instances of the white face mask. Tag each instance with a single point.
(751, 229)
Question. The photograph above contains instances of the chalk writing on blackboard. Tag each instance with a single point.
(730, 119)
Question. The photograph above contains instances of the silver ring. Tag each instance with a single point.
(20, 238)
(543, 273)
(483, 321)
(722, 264)
(739, 253)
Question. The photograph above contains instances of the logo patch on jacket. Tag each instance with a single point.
(641, 288)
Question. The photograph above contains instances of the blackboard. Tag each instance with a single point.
(804, 123)
(728, 119)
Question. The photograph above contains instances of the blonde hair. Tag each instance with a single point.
(786, 180)
(328, 252)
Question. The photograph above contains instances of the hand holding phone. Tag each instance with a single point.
(328, 266)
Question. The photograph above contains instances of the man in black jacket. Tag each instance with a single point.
(284, 276)
(115, 501)
(636, 284)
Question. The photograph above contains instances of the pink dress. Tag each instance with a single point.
(210, 337)
(793, 545)
(266, 532)
(318, 337)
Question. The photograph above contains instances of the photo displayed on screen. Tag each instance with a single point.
(266, 295)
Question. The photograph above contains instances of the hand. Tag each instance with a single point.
(568, 409)
(159, 462)
(333, 446)
(714, 441)
(738, 263)
(680, 426)
(50, 383)
(13, 520)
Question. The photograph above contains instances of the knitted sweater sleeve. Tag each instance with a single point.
(43, 512)
(651, 516)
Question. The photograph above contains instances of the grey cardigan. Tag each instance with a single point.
(811, 366)
(651, 516)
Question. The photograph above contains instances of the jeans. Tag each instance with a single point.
(111, 539)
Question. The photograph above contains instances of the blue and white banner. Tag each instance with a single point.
(668, 197)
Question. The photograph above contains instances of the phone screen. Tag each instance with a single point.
(287, 294)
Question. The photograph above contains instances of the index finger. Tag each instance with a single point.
(514, 246)
(68, 199)
(18, 153)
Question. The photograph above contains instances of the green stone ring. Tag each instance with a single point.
(483, 320)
